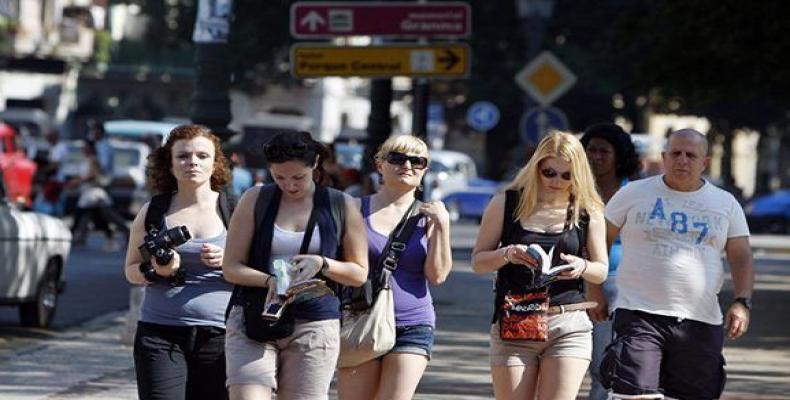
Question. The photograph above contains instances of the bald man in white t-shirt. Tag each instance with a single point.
(669, 330)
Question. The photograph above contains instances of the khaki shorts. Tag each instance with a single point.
(570, 335)
(299, 366)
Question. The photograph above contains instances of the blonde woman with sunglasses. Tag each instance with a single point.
(541, 338)
(402, 162)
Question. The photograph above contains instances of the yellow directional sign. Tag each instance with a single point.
(430, 60)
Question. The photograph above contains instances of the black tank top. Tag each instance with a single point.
(518, 278)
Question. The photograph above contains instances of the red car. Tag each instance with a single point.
(17, 169)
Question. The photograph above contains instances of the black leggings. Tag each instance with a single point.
(179, 362)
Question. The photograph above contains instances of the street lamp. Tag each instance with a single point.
(210, 104)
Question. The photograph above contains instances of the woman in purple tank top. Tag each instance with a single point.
(402, 161)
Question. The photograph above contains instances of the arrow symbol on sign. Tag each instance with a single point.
(313, 20)
(450, 59)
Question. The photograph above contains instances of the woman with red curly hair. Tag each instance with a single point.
(180, 341)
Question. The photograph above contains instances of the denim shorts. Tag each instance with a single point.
(414, 339)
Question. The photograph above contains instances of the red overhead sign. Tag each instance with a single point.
(392, 19)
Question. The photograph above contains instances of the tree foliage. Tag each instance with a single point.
(724, 59)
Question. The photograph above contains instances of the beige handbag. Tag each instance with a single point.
(369, 334)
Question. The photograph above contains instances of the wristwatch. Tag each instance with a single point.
(747, 302)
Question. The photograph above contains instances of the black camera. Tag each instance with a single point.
(160, 245)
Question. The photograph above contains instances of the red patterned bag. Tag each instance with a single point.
(524, 316)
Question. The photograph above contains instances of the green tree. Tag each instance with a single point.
(722, 59)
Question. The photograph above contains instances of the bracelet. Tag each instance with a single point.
(585, 267)
(324, 266)
(266, 282)
(505, 256)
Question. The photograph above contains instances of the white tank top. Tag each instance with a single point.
(286, 243)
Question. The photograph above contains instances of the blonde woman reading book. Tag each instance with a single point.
(540, 334)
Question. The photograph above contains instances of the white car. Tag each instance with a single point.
(449, 171)
(34, 249)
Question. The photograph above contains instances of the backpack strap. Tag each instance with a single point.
(263, 205)
(155, 215)
(337, 202)
(227, 203)
(160, 203)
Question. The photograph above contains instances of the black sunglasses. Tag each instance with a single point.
(551, 173)
(397, 158)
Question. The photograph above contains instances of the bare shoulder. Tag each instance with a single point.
(139, 219)
(497, 202)
(249, 196)
(352, 203)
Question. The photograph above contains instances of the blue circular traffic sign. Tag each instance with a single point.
(540, 120)
(482, 116)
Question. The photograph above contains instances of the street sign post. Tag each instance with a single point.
(482, 116)
(545, 78)
(436, 60)
(311, 20)
(540, 120)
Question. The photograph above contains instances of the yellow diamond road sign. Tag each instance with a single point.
(310, 60)
(545, 78)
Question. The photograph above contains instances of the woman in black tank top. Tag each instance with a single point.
(552, 203)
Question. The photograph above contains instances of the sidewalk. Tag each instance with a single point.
(89, 362)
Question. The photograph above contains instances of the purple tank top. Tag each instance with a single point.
(413, 303)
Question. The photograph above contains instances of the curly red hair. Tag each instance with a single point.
(160, 161)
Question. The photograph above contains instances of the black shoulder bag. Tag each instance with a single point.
(362, 298)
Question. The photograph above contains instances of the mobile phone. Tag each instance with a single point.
(272, 311)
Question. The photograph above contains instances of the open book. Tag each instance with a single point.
(544, 260)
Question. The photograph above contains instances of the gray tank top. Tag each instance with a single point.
(203, 298)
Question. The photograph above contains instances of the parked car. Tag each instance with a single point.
(34, 249)
(18, 170)
(448, 172)
(770, 213)
(470, 202)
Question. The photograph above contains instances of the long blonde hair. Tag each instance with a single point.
(566, 147)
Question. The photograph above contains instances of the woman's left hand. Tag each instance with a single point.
(211, 255)
(306, 266)
(436, 213)
(578, 266)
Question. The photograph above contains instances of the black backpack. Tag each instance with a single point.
(160, 203)
(251, 299)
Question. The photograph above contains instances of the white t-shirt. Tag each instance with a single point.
(672, 247)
